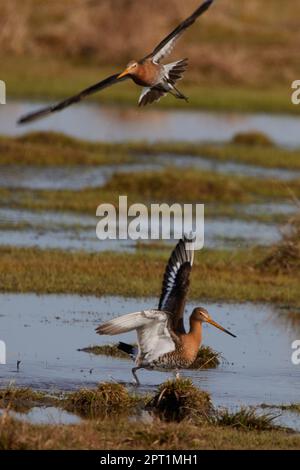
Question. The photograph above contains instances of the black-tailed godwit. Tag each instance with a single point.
(163, 342)
(157, 79)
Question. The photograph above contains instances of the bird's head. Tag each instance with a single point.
(201, 314)
(131, 69)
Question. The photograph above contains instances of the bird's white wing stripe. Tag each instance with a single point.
(144, 93)
(183, 253)
(166, 50)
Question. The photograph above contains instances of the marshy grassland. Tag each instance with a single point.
(229, 69)
(240, 60)
(193, 424)
(257, 274)
(171, 184)
(101, 434)
(168, 184)
(56, 149)
(251, 273)
(49, 271)
(43, 149)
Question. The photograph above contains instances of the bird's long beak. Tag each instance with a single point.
(123, 74)
(212, 322)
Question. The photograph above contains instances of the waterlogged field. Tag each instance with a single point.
(235, 148)
(247, 276)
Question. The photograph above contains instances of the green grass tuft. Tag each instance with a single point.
(106, 399)
(179, 399)
(206, 358)
(245, 418)
(110, 350)
(293, 407)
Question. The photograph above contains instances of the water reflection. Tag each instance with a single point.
(45, 415)
(116, 124)
(289, 318)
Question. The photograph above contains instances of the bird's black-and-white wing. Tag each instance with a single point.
(176, 282)
(166, 46)
(150, 95)
(70, 101)
(153, 332)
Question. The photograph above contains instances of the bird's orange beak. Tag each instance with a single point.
(123, 74)
(213, 323)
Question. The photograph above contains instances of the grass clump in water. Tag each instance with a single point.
(20, 399)
(293, 407)
(245, 418)
(179, 399)
(253, 139)
(106, 399)
(45, 149)
(206, 358)
(110, 350)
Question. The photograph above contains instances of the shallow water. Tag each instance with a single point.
(117, 124)
(81, 177)
(45, 332)
(75, 232)
(228, 168)
(64, 178)
(45, 415)
(272, 208)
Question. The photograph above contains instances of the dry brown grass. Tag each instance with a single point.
(106, 400)
(20, 399)
(237, 42)
(101, 434)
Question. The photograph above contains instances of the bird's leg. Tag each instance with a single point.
(179, 95)
(134, 373)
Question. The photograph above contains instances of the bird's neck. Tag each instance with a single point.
(195, 332)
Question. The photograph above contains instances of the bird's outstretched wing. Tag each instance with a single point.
(150, 95)
(69, 101)
(176, 282)
(153, 332)
(166, 46)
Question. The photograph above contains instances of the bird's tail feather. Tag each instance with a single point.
(132, 351)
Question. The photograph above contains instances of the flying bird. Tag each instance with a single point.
(163, 343)
(157, 79)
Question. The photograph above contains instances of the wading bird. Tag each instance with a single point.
(163, 343)
(157, 79)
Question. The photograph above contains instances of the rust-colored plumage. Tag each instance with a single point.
(157, 79)
(162, 340)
